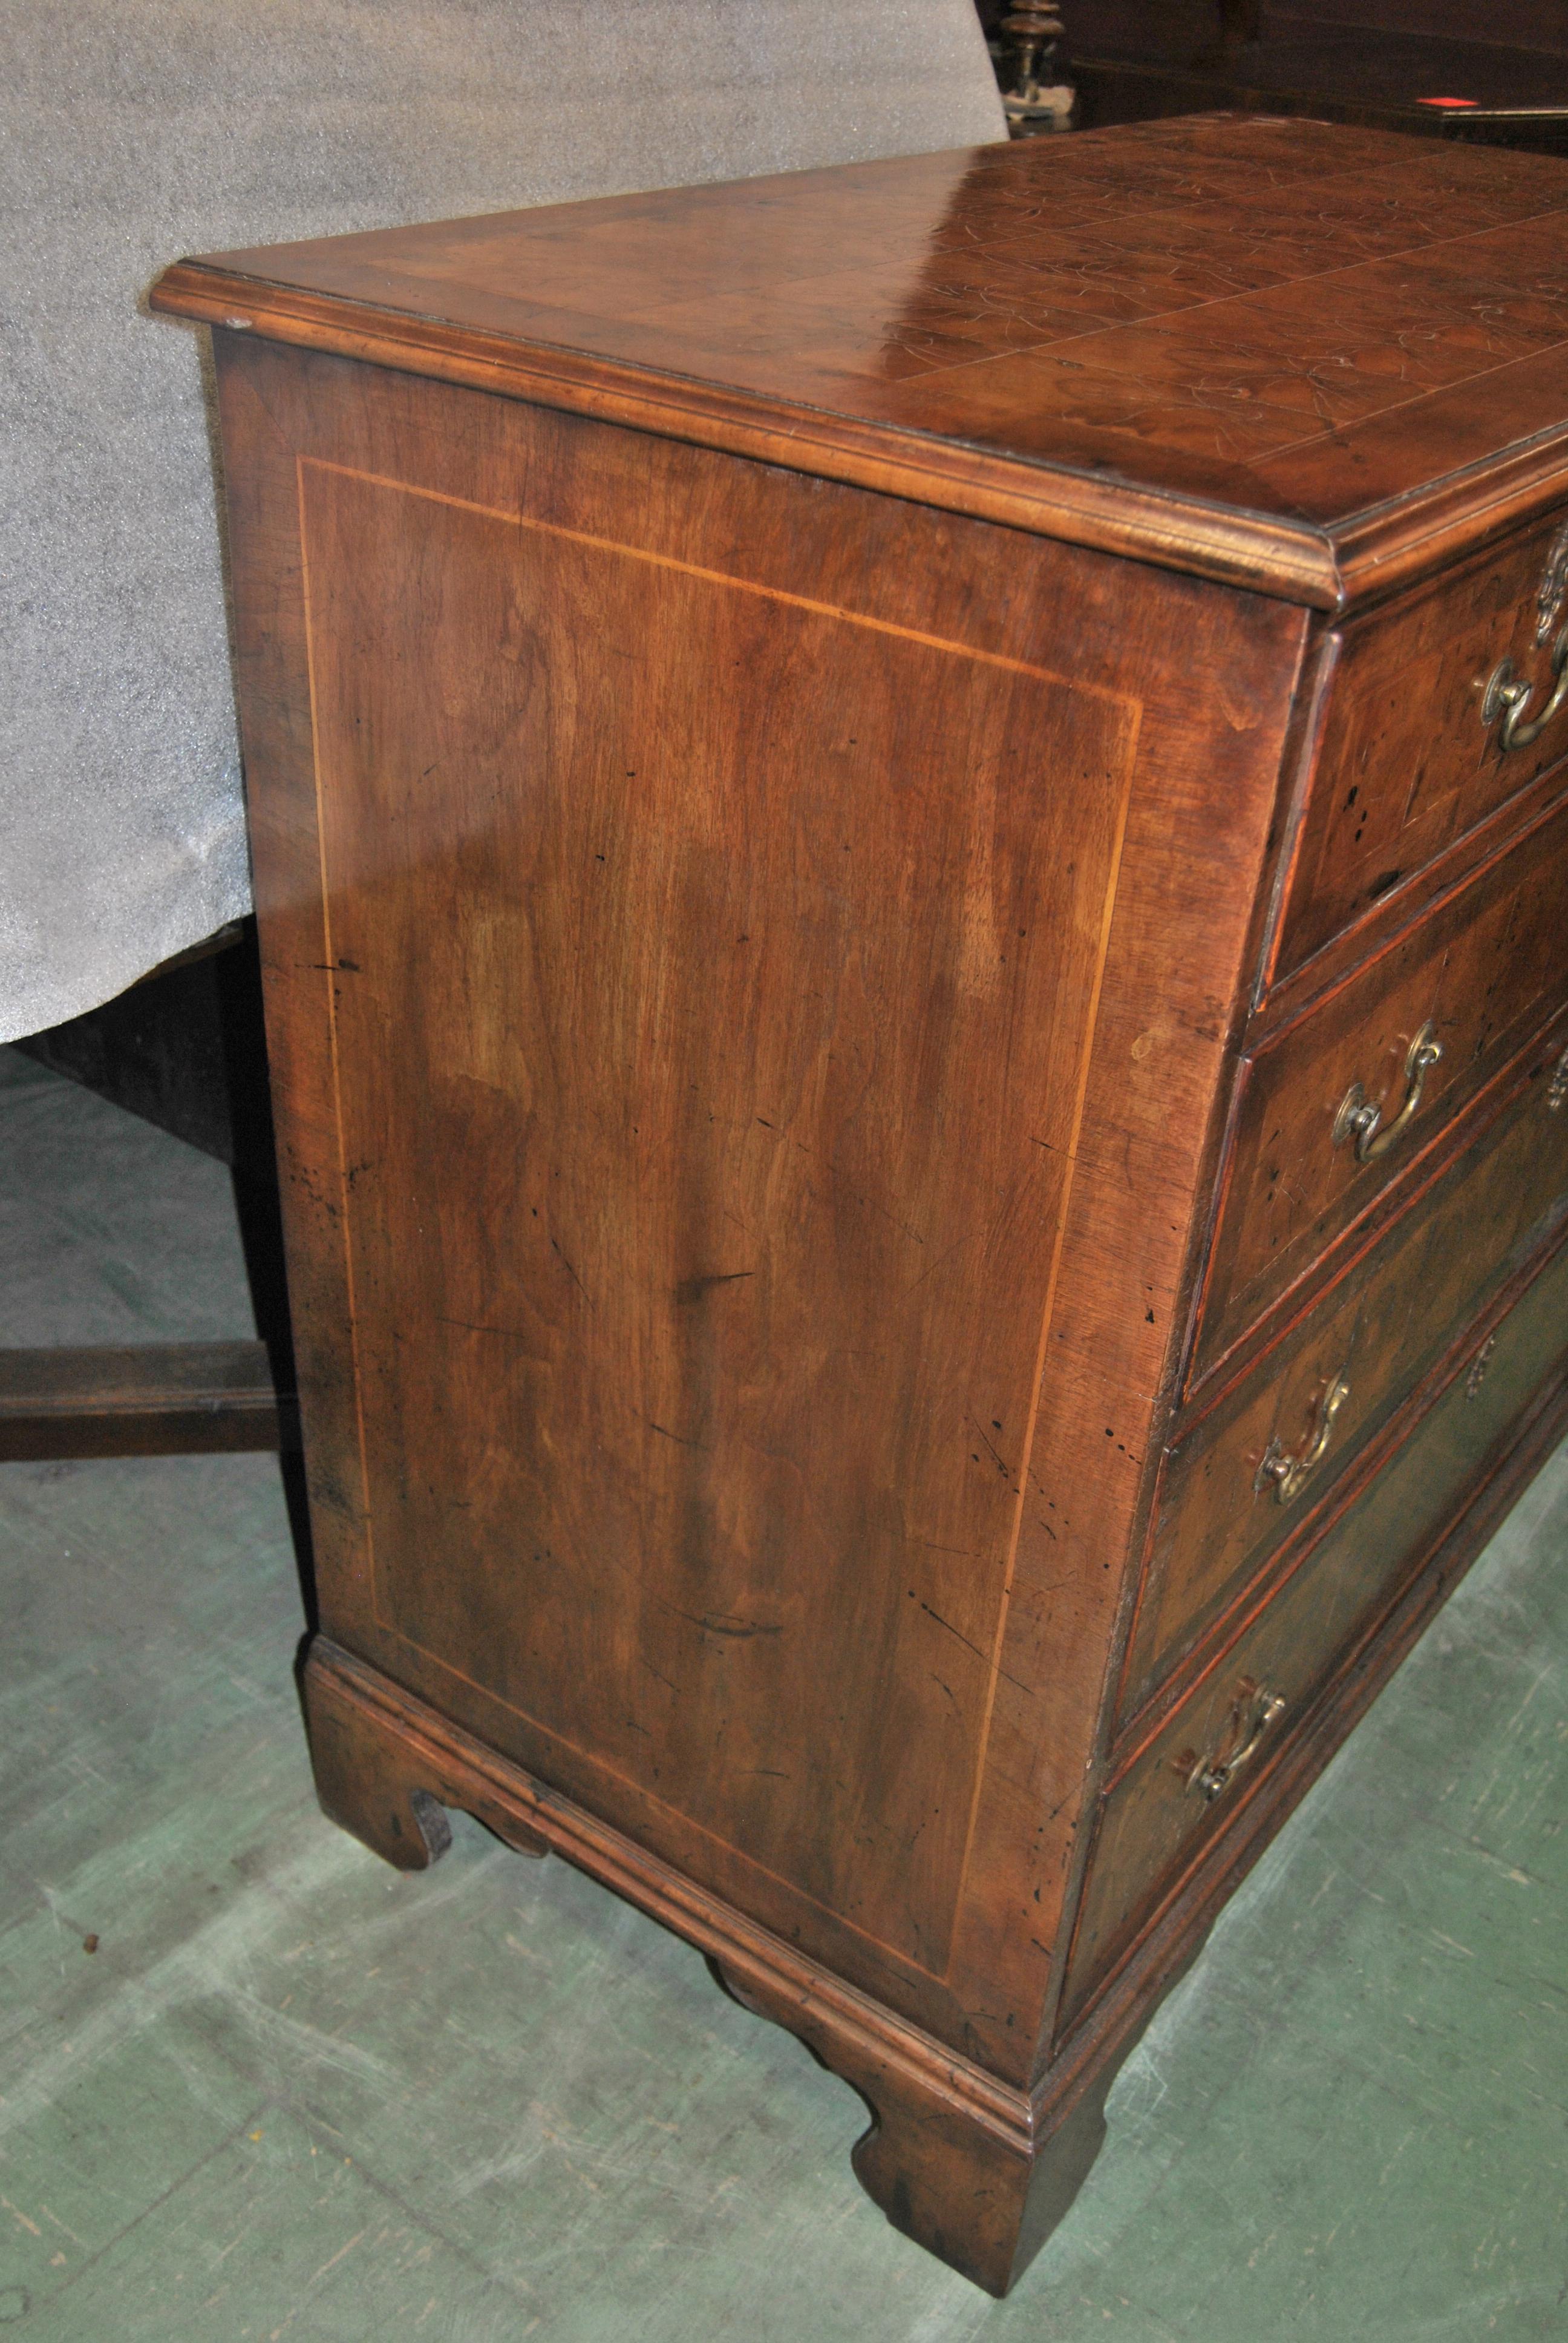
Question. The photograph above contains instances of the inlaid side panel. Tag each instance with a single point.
(1032, 662)
(717, 976)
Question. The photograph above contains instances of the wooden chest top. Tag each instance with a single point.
(1313, 359)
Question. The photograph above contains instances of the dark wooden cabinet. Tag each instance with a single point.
(920, 1038)
(1440, 69)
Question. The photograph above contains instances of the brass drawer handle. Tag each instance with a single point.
(1290, 1475)
(1359, 1119)
(1256, 1710)
(1507, 694)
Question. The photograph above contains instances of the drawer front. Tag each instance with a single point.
(1242, 1479)
(1177, 1793)
(1404, 764)
(1335, 1106)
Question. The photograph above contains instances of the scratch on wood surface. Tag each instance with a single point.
(679, 1438)
(975, 1648)
(728, 1623)
(572, 1272)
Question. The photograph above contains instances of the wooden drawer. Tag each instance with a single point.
(1173, 1795)
(1404, 764)
(1483, 968)
(1223, 1507)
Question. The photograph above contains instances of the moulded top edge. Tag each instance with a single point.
(1311, 360)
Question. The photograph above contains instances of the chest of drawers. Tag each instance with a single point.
(912, 861)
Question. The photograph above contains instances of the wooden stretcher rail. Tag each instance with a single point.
(152, 1399)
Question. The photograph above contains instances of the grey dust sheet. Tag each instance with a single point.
(133, 131)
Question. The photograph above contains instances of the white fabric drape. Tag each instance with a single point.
(133, 131)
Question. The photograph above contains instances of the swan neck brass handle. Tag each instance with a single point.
(1256, 1710)
(1288, 1476)
(1360, 1119)
(1508, 695)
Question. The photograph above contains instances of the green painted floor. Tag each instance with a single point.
(292, 2094)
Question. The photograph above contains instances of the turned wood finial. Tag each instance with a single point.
(1034, 27)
